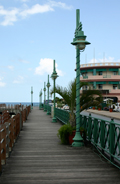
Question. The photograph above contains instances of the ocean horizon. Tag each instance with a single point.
(22, 103)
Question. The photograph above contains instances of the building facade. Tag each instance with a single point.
(104, 77)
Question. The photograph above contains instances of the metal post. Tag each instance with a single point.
(39, 100)
(80, 42)
(44, 97)
(48, 85)
(54, 76)
(31, 97)
(78, 140)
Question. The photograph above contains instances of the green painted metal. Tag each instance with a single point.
(101, 69)
(49, 108)
(94, 84)
(119, 85)
(85, 77)
(48, 85)
(94, 71)
(54, 76)
(105, 136)
(101, 82)
(112, 140)
(118, 71)
(31, 97)
(113, 69)
(44, 89)
(41, 100)
(85, 71)
(113, 82)
(80, 42)
(62, 115)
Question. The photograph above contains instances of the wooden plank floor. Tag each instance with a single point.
(39, 158)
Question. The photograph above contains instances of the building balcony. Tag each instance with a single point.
(100, 64)
(100, 78)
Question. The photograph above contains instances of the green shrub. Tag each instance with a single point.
(63, 133)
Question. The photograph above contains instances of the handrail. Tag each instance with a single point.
(9, 132)
(104, 135)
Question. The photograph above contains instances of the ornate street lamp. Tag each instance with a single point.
(44, 96)
(40, 96)
(41, 99)
(54, 76)
(80, 42)
(48, 85)
(31, 97)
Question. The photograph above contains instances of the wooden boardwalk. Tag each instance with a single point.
(39, 158)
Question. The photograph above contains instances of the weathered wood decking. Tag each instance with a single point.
(39, 158)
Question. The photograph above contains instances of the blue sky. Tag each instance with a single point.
(35, 32)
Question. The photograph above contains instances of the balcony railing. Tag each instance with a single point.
(85, 77)
(106, 76)
(100, 64)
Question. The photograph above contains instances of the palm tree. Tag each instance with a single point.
(87, 99)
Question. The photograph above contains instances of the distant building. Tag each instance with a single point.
(104, 77)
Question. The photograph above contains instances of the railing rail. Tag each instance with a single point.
(9, 132)
(104, 135)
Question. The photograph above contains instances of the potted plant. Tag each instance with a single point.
(64, 132)
(99, 107)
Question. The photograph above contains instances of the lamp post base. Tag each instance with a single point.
(54, 120)
(48, 113)
(78, 140)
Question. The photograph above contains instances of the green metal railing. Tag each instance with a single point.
(49, 108)
(104, 135)
(62, 115)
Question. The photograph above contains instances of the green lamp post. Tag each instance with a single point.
(41, 99)
(31, 97)
(54, 76)
(44, 97)
(48, 85)
(80, 42)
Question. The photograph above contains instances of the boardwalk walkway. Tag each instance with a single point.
(39, 158)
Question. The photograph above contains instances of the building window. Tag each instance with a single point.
(100, 86)
(114, 86)
(100, 73)
(114, 73)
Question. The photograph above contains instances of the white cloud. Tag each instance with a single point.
(46, 66)
(11, 67)
(19, 80)
(36, 9)
(14, 14)
(60, 5)
(2, 84)
(23, 61)
(10, 16)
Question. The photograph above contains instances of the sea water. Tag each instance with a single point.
(22, 103)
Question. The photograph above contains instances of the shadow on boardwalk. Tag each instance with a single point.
(39, 158)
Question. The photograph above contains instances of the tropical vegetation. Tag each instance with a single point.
(87, 99)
